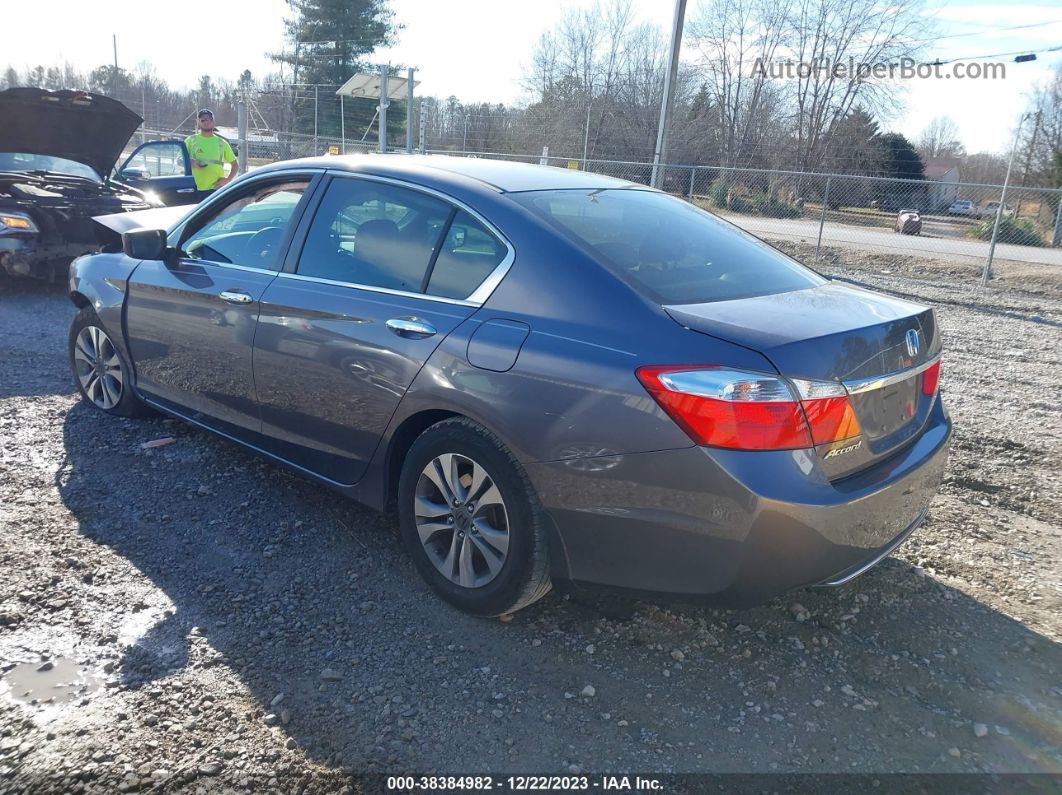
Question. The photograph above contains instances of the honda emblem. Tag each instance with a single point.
(912, 343)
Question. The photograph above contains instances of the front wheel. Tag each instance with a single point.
(101, 373)
(472, 521)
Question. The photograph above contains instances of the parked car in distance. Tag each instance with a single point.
(961, 207)
(989, 210)
(908, 222)
(55, 149)
(554, 376)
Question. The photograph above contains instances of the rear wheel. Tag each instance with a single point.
(471, 520)
(101, 373)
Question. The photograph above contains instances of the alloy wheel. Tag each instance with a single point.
(461, 519)
(99, 370)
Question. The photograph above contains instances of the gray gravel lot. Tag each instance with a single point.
(232, 626)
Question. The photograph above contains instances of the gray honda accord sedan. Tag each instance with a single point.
(554, 376)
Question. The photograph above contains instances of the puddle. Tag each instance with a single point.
(55, 682)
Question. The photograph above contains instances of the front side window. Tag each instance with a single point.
(158, 160)
(247, 231)
(666, 248)
(374, 234)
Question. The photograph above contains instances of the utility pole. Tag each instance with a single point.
(384, 102)
(114, 75)
(409, 111)
(660, 153)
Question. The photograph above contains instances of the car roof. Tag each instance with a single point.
(504, 176)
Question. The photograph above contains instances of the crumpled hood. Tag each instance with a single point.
(80, 126)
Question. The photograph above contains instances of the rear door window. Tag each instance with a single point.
(668, 249)
(468, 255)
(373, 234)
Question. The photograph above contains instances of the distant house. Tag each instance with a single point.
(942, 174)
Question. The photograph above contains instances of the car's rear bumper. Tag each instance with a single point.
(734, 528)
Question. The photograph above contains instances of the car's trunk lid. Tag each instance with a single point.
(875, 344)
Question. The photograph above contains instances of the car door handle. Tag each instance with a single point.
(186, 190)
(235, 297)
(411, 328)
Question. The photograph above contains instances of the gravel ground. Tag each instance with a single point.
(230, 626)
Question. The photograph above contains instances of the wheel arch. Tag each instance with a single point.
(402, 439)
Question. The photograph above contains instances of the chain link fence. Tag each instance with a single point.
(947, 221)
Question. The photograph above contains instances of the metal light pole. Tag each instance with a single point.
(987, 273)
(660, 153)
(409, 112)
(384, 102)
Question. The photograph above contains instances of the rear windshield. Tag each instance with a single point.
(668, 249)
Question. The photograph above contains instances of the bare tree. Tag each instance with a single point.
(833, 39)
(940, 138)
(729, 36)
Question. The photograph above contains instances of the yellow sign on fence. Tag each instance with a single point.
(573, 164)
(333, 150)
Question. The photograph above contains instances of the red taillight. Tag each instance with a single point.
(831, 419)
(750, 411)
(931, 380)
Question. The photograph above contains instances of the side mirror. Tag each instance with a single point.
(144, 244)
(133, 174)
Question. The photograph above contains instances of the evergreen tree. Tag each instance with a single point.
(899, 158)
(328, 41)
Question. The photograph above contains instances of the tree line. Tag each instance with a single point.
(594, 89)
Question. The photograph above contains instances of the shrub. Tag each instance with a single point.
(717, 192)
(1019, 231)
(774, 208)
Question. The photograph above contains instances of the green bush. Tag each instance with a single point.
(740, 205)
(774, 208)
(1019, 231)
(717, 192)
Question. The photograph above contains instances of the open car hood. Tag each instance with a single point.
(87, 128)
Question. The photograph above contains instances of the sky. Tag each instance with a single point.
(478, 50)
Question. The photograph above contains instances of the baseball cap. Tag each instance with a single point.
(204, 112)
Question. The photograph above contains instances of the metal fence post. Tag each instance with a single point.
(1056, 236)
(241, 135)
(693, 173)
(987, 273)
(315, 121)
(423, 139)
(822, 218)
(342, 127)
(384, 102)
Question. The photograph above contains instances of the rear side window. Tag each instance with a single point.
(373, 234)
(468, 255)
(668, 249)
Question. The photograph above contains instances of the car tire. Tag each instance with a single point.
(458, 555)
(101, 372)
